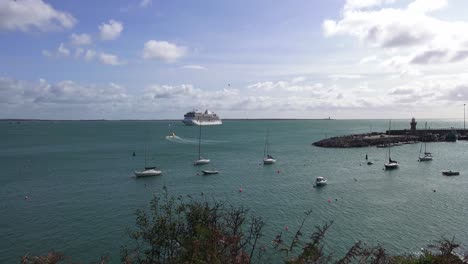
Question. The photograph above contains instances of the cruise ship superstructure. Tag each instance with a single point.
(196, 118)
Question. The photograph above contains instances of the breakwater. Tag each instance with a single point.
(392, 138)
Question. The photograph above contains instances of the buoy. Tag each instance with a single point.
(133, 154)
(286, 228)
(240, 189)
(278, 171)
(329, 200)
(26, 197)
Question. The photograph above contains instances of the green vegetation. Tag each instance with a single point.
(187, 230)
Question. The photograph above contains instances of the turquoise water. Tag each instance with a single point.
(81, 195)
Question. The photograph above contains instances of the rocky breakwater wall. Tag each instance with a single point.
(365, 140)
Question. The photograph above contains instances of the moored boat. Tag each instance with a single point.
(320, 181)
(210, 172)
(149, 171)
(451, 173)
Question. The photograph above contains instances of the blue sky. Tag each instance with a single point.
(242, 59)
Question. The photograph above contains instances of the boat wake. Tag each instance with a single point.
(192, 141)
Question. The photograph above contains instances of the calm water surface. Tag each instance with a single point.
(82, 196)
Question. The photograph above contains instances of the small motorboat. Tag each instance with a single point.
(149, 171)
(320, 181)
(210, 172)
(171, 135)
(451, 173)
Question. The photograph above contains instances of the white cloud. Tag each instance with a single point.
(80, 39)
(194, 67)
(345, 76)
(426, 6)
(109, 59)
(405, 38)
(89, 55)
(63, 92)
(111, 30)
(62, 51)
(163, 50)
(279, 98)
(360, 4)
(146, 3)
(47, 53)
(26, 15)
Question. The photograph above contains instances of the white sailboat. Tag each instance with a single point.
(148, 171)
(267, 158)
(427, 155)
(200, 160)
(392, 164)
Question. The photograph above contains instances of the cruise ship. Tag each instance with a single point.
(207, 118)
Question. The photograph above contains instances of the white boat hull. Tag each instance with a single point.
(147, 173)
(425, 159)
(268, 161)
(391, 166)
(201, 162)
(320, 181)
(208, 172)
(193, 122)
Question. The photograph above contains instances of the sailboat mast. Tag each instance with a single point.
(265, 150)
(199, 143)
(146, 152)
(389, 131)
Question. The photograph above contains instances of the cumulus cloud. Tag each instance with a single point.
(146, 3)
(61, 51)
(163, 50)
(110, 30)
(80, 39)
(64, 92)
(109, 59)
(404, 39)
(89, 55)
(28, 15)
(194, 67)
(282, 98)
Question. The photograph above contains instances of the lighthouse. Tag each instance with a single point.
(413, 126)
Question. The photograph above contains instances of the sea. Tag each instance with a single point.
(68, 186)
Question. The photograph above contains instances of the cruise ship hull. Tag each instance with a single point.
(192, 122)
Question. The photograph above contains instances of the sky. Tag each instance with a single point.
(154, 59)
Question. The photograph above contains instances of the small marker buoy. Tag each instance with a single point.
(26, 197)
(278, 171)
(133, 154)
(240, 189)
(286, 228)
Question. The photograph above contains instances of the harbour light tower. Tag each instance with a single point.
(413, 125)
